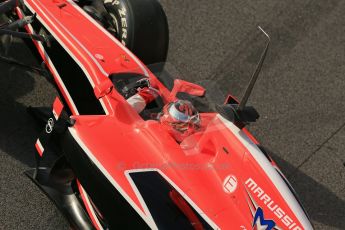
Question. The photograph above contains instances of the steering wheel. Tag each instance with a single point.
(132, 88)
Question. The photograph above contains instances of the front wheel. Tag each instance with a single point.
(141, 25)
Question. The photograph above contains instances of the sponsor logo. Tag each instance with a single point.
(260, 223)
(113, 2)
(271, 205)
(99, 57)
(123, 19)
(230, 184)
(50, 125)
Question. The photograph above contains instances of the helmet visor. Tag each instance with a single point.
(180, 120)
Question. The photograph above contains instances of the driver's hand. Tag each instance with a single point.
(148, 94)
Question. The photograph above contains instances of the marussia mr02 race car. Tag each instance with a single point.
(117, 168)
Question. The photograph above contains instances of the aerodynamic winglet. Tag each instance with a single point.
(255, 74)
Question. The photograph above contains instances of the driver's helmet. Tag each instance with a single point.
(180, 118)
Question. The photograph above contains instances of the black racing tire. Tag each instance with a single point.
(141, 25)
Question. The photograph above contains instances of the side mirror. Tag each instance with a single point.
(231, 100)
(103, 88)
(186, 87)
(240, 118)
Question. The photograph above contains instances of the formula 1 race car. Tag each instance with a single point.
(118, 166)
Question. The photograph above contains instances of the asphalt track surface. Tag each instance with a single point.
(300, 97)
